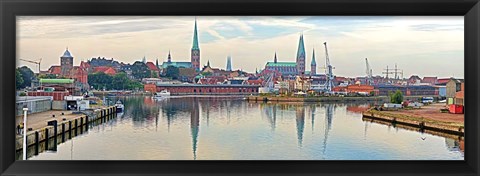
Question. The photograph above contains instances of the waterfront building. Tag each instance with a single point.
(356, 88)
(209, 89)
(452, 87)
(195, 52)
(408, 90)
(302, 83)
(414, 79)
(98, 62)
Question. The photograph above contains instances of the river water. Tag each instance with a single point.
(229, 128)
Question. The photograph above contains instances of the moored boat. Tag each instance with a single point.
(120, 106)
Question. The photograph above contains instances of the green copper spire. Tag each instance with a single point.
(195, 37)
(313, 58)
(301, 48)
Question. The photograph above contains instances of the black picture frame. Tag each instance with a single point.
(9, 9)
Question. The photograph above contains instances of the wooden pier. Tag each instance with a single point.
(59, 129)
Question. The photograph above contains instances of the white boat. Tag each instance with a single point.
(120, 106)
(162, 94)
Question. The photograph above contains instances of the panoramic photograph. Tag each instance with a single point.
(239, 88)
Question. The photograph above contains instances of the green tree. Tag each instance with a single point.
(27, 75)
(396, 97)
(140, 70)
(120, 81)
(18, 79)
(172, 72)
(100, 80)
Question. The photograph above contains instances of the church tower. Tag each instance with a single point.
(229, 63)
(301, 57)
(313, 65)
(66, 63)
(195, 54)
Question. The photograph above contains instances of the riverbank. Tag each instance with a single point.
(67, 126)
(325, 99)
(426, 118)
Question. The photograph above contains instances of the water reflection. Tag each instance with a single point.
(235, 129)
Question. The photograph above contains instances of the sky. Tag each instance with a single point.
(424, 46)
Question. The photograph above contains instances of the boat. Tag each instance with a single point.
(162, 94)
(120, 106)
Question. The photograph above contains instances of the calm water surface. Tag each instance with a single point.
(226, 128)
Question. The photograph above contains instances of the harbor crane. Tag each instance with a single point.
(34, 62)
(329, 72)
(369, 79)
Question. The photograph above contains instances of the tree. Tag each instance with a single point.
(140, 70)
(100, 80)
(18, 79)
(172, 72)
(397, 97)
(120, 81)
(27, 75)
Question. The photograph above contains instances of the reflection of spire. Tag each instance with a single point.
(312, 111)
(300, 118)
(271, 112)
(328, 124)
(194, 126)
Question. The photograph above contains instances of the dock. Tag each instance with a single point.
(428, 118)
(44, 135)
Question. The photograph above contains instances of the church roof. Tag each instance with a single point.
(177, 64)
(281, 64)
(67, 53)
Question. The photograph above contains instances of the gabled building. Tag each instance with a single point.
(153, 70)
(429, 80)
(174, 64)
(284, 68)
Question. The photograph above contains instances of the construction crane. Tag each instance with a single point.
(35, 62)
(329, 72)
(369, 79)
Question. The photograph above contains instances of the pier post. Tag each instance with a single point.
(63, 132)
(54, 124)
(76, 126)
(46, 139)
(86, 123)
(81, 125)
(69, 129)
(36, 143)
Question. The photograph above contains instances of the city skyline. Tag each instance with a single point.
(436, 42)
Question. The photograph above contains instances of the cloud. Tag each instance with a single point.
(436, 42)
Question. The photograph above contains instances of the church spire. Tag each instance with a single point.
(169, 57)
(208, 63)
(275, 58)
(301, 56)
(314, 62)
(195, 37)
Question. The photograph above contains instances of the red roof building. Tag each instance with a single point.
(151, 66)
(430, 80)
(57, 70)
(106, 70)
